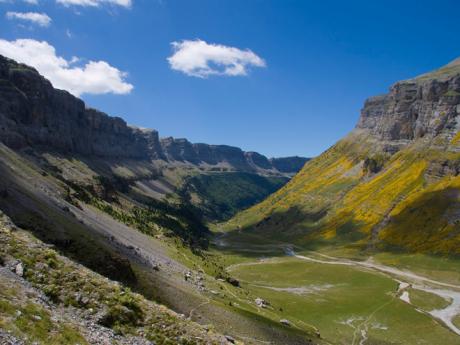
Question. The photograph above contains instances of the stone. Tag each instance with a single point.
(233, 281)
(230, 339)
(412, 109)
(19, 269)
(285, 322)
(261, 302)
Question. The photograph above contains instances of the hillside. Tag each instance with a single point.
(46, 298)
(391, 184)
(221, 195)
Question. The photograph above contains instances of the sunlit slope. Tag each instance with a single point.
(390, 184)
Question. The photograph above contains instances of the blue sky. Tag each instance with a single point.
(320, 60)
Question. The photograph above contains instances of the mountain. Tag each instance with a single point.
(34, 113)
(391, 184)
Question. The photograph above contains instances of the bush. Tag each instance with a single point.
(373, 165)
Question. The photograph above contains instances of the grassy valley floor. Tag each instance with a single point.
(343, 296)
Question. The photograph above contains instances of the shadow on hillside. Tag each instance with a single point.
(293, 227)
(429, 224)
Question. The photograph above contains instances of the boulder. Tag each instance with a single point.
(233, 281)
(19, 269)
(285, 322)
(261, 302)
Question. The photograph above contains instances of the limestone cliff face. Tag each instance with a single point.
(425, 106)
(33, 113)
(227, 156)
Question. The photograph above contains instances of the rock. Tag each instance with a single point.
(230, 339)
(285, 322)
(233, 281)
(37, 317)
(412, 109)
(261, 302)
(19, 269)
(4, 193)
(32, 112)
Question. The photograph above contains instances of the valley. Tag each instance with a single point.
(123, 237)
(350, 299)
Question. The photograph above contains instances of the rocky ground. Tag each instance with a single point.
(48, 299)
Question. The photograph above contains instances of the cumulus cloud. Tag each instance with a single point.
(95, 3)
(37, 18)
(94, 77)
(200, 59)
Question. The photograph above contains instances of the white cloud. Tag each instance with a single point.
(94, 77)
(30, 2)
(95, 3)
(37, 18)
(200, 59)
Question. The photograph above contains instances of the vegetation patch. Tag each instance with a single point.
(222, 195)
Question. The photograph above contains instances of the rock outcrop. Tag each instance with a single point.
(32, 112)
(424, 106)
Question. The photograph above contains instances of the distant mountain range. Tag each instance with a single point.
(393, 183)
(33, 113)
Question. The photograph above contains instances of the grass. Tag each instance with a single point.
(427, 301)
(334, 295)
(456, 321)
(325, 297)
(34, 321)
(439, 268)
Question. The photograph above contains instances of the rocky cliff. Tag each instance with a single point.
(182, 150)
(425, 106)
(32, 112)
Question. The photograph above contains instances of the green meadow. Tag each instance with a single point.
(343, 304)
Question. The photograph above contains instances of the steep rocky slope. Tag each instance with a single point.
(46, 298)
(392, 183)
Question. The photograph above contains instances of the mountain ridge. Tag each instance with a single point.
(34, 113)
